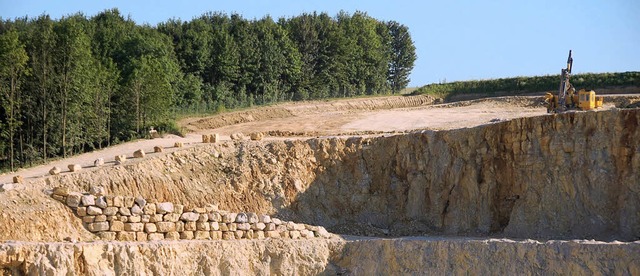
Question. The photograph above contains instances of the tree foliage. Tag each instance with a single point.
(79, 83)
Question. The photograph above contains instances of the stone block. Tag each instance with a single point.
(228, 236)
(62, 191)
(237, 136)
(272, 234)
(300, 227)
(281, 228)
(74, 167)
(206, 138)
(178, 144)
(277, 221)
(141, 236)
(258, 235)
(229, 217)
(126, 236)
(172, 236)
(110, 211)
(145, 218)
(60, 198)
(81, 211)
(94, 211)
(239, 234)
(109, 200)
(99, 162)
(203, 226)
(232, 226)
(141, 202)
(178, 208)
(98, 226)
(149, 209)
(214, 138)
(214, 226)
(270, 227)
(150, 227)
(155, 236)
(257, 136)
(211, 208)
(186, 235)
(88, 200)
(120, 159)
(172, 217)
(157, 149)
(252, 218)
(189, 216)
(216, 235)
(112, 218)
(214, 216)
(124, 211)
(242, 218)
(258, 226)
(264, 219)
(55, 171)
(202, 235)
(118, 201)
(139, 154)
(243, 226)
(190, 226)
(199, 210)
(294, 234)
(117, 226)
(322, 233)
(291, 225)
(88, 219)
(223, 227)
(107, 236)
(101, 202)
(18, 179)
(164, 208)
(97, 190)
(180, 226)
(165, 226)
(156, 218)
(134, 218)
(136, 210)
(129, 201)
(133, 226)
(73, 199)
(203, 218)
(100, 218)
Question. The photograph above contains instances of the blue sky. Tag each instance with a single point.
(455, 40)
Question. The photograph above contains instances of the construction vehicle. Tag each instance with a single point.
(567, 98)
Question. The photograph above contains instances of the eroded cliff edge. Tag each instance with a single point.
(572, 175)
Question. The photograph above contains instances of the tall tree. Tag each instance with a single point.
(403, 55)
(13, 65)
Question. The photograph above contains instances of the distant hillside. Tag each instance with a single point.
(524, 85)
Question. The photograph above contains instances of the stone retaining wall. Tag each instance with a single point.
(127, 218)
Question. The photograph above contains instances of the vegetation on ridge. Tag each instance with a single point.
(78, 83)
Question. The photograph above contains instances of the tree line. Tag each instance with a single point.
(79, 83)
(522, 85)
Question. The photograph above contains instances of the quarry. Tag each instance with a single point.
(369, 186)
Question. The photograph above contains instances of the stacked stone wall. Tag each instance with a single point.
(126, 218)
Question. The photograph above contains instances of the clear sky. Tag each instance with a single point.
(455, 40)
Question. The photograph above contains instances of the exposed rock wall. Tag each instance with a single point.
(572, 175)
(409, 256)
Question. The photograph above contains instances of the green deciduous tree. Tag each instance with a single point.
(403, 56)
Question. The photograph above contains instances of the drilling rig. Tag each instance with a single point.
(567, 98)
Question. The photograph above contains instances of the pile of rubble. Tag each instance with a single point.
(127, 218)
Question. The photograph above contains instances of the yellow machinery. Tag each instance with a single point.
(567, 98)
